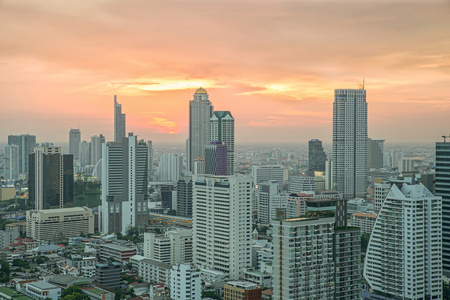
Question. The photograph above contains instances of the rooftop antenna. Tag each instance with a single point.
(444, 137)
(363, 82)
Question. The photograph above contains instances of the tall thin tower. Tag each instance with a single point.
(222, 129)
(74, 143)
(119, 122)
(350, 142)
(200, 111)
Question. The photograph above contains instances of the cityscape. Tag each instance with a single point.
(302, 183)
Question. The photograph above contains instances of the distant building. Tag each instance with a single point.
(172, 247)
(242, 290)
(185, 283)
(222, 129)
(26, 143)
(57, 224)
(375, 153)
(269, 201)
(316, 156)
(184, 197)
(269, 172)
(12, 162)
(152, 270)
(119, 122)
(8, 237)
(216, 159)
(109, 274)
(119, 253)
(85, 153)
(42, 290)
(96, 148)
(169, 167)
(300, 184)
(365, 221)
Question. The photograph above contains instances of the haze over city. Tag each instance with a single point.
(274, 64)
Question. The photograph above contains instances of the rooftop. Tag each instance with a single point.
(365, 215)
(43, 285)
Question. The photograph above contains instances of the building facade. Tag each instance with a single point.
(216, 159)
(109, 274)
(375, 153)
(26, 142)
(119, 122)
(74, 141)
(241, 290)
(269, 172)
(12, 162)
(350, 142)
(316, 156)
(185, 283)
(222, 129)
(184, 197)
(172, 247)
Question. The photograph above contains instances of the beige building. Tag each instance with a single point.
(54, 224)
(7, 193)
(364, 221)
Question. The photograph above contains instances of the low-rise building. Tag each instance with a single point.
(152, 270)
(185, 283)
(96, 293)
(119, 253)
(109, 274)
(41, 290)
(242, 290)
(259, 278)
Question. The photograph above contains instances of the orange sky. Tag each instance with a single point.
(273, 64)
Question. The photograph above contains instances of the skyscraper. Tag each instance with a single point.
(169, 167)
(124, 185)
(316, 156)
(200, 111)
(12, 162)
(84, 153)
(222, 129)
(119, 122)
(184, 197)
(403, 258)
(96, 148)
(216, 159)
(150, 160)
(375, 153)
(26, 143)
(50, 181)
(443, 190)
(222, 223)
(74, 142)
(350, 142)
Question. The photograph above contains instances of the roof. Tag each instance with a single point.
(365, 215)
(222, 114)
(117, 247)
(267, 292)
(43, 285)
(47, 248)
(200, 91)
(67, 279)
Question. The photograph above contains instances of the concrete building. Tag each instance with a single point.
(350, 142)
(50, 181)
(222, 209)
(443, 189)
(7, 191)
(301, 184)
(151, 156)
(358, 205)
(184, 197)
(316, 156)
(119, 253)
(41, 290)
(406, 165)
(375, 153)
(172, 247)
(152, 270)
(222, 129)
(26, 142)
(216, 159)
(185, 283)
(12, 162)
(8, 237)
(404, 255)
(200, 112)
(74, 142)
(57, 224)
(269, 201)
(124, 185)
(380, 191)
(96, 148)
(169, 167)
(242, 290)
(269, 172)
(365, 221)
(109, 274)
(119, 122)
(296, 204)
(84, 153)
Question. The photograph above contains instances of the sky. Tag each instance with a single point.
(273, 64)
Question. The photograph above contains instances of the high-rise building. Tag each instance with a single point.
(269, 172)
(185, 283)
(96, 148)
(119, 122)
(380, 190)
(222, 129)
(84, 153)
(74, 141)
(299, 184)
(216, 159)
(316, 156)
(222, 223)
(269, 201)
(167, 195)
(26, 143)
(184, 197)
(375, 153)
(12, 162)
(50, 181)
(124, 185)
(172, 247)
(404, 255)
(150, 160)
(350, 142)
(442, 188)
(169, 167)
(200, 112)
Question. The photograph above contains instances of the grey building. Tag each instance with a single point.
(316, 156)
(25, 142)
(222, 129)
(119, 122)
(74, 142)
(184, 197)
(216, 159)
(109, 274)
(375, 153)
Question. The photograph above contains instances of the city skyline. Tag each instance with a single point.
(275, 66)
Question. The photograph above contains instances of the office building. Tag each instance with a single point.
(200, 112)
(152, 270)
(185, 283)
(216, 159)
(84, 153)
(222, 209)
(119, 253)
(241, 290)
(300, 184)
(168, 193)
(74, 141)
(350, 142)
(169, 167)
(404, 255)
(124, 185)
(150, 160)
(316, 156)
(12, 162)
(184, 197)
(26, 143)
(59, 224)
(269, 172)
(7, 237)
(375, 153)
(172, 247)
(41, 290)
(269, 201)
(109, 274)
(365, 221)
(96, 148)
(442, 187)
(119, 122)
(50, 181)
(222, 129)
(406, 165)
(329, 180)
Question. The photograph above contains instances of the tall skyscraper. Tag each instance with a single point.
(119, 122)
(12, 162)
(184, 197)
(96, 148)
(350, 142)
(84, 153)
(50, 181)
(200, 111)
(222, 223)
(169, 167)
(74, 142)
(443, 189)
(222, 129)
(150, 160)
(316, 156)
(404, 255)
(216, 159)
(375, 153)
(26, 143)
(124, 185)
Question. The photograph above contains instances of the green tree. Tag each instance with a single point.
(364, 242)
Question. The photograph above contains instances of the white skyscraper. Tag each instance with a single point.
(350, 142)
(269, 200)
(222, 223)
(222, 129)
(124, 185)
(74, 142)
(169, 167)
(404, 255)
(185, 283)
(119, 122)
(12, 161)
(200, 112)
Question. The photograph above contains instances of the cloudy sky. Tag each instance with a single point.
(273, 64)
